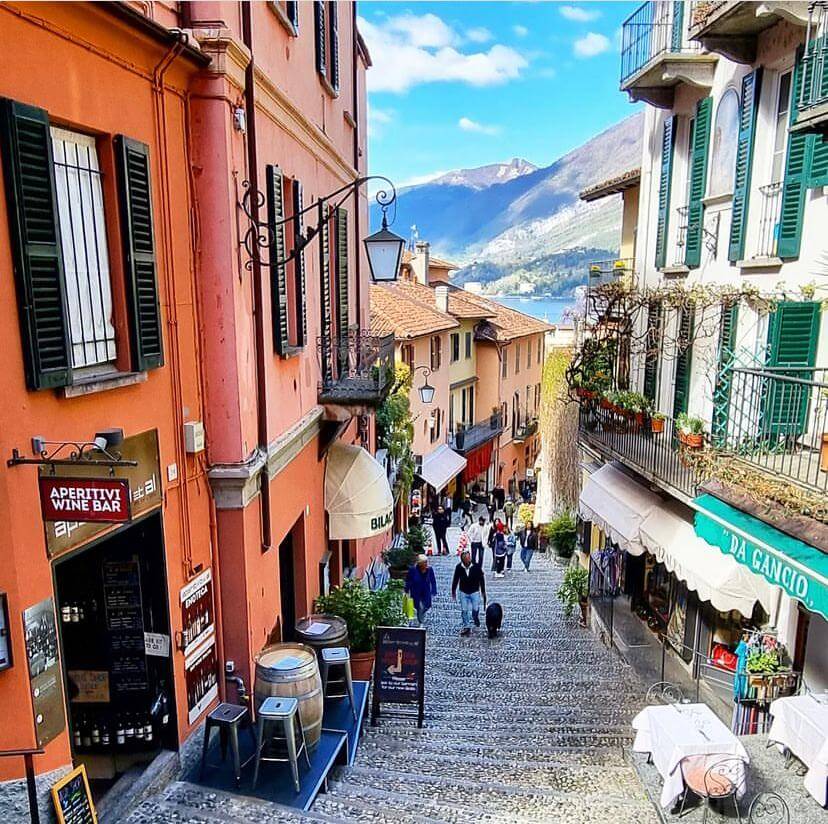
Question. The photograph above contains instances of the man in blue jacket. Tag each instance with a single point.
(421, 585)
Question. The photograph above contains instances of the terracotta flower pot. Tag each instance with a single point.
(605, 404)
(639, 419)
(823, 453)
(362, 665)
(693, 440)
(657, 425)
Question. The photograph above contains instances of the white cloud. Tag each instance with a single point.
(406, 54)
(579, 14)
(590, 44)
(378, 119)
(417, 180)
(479, 35)
(520, 31)
(468, 125)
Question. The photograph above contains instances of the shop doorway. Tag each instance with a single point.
(287, 588)
(112, 609)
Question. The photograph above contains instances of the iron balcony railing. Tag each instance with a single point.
(607, 271)
(769, 217)
(776, 419)
(657, 456)
(357, 367)
(468, 437)
(814, 90)
(681, 234)
(525, 429)
(653, 29)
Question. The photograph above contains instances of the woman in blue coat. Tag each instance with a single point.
(421, 585)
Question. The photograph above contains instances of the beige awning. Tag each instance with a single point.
(358, 496)
(440, 466)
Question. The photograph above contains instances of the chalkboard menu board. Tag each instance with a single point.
(125, 622)
(72, 799)
(399, 669)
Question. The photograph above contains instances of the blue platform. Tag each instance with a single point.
(337, 745)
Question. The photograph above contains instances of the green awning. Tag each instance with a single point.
(799, 569)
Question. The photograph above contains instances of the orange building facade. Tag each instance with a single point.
(143, 304)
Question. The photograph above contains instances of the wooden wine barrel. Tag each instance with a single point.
(292, 671)
(335, 636)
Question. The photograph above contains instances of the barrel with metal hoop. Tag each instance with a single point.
(292, 671)
(320, 631)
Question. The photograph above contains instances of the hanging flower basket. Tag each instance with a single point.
(692, 440)
(657, 425)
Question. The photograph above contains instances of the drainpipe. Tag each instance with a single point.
(258, 307)
(355, 107)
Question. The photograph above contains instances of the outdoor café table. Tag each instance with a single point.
(673, 732)
(800, 723)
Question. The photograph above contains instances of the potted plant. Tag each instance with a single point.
(399, 558)
(690, 431)
(657, 422)
(363, 610)
(574, 589)
(525, 513)
(562, 532)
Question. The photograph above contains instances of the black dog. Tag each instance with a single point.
(494, 618)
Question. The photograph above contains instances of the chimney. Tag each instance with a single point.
(441, 296)
(420, 261)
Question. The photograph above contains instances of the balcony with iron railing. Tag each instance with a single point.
(524, 429)
(680, 223)
(610, 271)
(656, 55)
(467, 437)
(357, 368)
(770, 205)
(812, 114)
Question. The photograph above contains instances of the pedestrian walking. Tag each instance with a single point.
(530, 544)
(509, 512)
(499, 550)
(466, 507)
(421, 586)
(491, 504)
(493, 530)
(441, 525)
(471, 581)
(478, 537)
(511, 546)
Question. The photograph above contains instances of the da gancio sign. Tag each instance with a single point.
(101, 500)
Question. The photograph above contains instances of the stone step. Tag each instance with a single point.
(388, 809)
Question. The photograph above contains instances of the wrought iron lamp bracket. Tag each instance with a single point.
(76, 453)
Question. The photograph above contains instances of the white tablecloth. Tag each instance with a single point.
(800, 723)
(670, 733)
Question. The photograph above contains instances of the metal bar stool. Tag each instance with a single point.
(338, 657)
(284, 711)
(227, 718)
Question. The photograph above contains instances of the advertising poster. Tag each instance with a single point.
(197, 615)
(399, 668)
(201, 678)
(44, 670)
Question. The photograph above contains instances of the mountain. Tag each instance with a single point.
(517, 227)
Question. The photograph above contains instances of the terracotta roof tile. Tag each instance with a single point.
(458, 304)
(507, 323)
(396, 310)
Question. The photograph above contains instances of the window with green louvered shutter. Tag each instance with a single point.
(792, 342)
(797, 164)
(139, 253)
(35, 237)
(698, 180)
(668, 142)
(751, 88)
(342, 296)
(818, 173)
(684, 362)
(278, 276)
(299, 267)
(319, 36)
(325, 291)
(652, 356)
(677, 32)
(724, 375)
(334, 36)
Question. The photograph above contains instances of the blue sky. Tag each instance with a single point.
(462, 84)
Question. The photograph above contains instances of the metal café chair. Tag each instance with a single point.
(713, 778)
(663, 692)
(769, 808)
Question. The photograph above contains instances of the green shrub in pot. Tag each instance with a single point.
(574, 589)
(562, 532)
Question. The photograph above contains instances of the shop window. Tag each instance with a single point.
(436, 352)
(455, 347)
(725, 137)
(468, 345)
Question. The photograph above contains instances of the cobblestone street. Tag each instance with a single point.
(533, 726)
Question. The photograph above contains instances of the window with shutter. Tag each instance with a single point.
(652, 354)
(333, 35)
(684, 362)
(139, 252)
(299, 267)
(751, 87)
(797, 164)
(278, 275)
(342, 291)
(662, 225)
(468, 340)
(677, 30)
(454, 355)
(36, 246)
(818, 173)
(325, 291)
(698, 179)
(724, 374)
(320, 37)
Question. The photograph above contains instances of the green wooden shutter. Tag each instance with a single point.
(299, 267)
(319, 32)
(342, 269)
(292, 9)
(751, 88)
(797, 164)
(139, 253)
(325, 291)
(651, 356)
(818, 172)
(792, 342)
(724, 375)
(698, 181)
(676, 35)
(668, 142)
(278, 276)
(684, 362)
(333, 12)
(37, 256)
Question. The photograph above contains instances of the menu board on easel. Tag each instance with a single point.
(73, 800)
(125, 622)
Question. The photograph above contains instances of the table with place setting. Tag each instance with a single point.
(800, 723)
(673, 732)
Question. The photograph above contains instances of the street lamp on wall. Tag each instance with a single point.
(426, 391)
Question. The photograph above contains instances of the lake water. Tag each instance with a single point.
(549, 308)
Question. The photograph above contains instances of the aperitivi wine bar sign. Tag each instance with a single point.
(103, 500)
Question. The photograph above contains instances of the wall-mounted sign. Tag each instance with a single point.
(123, 603)
(399, 669)
(197, 615)
(44, 670)
(201, 678)
(99, 500)
(5, 637)
(144, 482)
(157, 644)
(88, 686)
(73, 800)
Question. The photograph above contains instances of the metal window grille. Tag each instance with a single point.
(85, 252)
